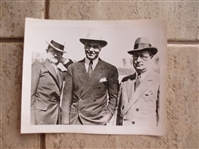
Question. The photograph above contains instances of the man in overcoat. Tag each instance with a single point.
(92, 96)
(46, 86)
(139, 92)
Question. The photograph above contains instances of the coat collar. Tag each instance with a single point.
(95, 76)
(133, 96)
(56, 76)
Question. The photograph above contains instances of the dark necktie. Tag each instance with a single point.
(137, 81)
(90, 68)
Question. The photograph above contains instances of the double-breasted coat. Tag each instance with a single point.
(46, 85)
(86, 100)
(139, 107)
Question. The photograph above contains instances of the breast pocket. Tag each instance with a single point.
(149, 96)
(101, 86)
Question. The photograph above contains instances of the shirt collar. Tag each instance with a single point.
(142, 75)
(95, 61)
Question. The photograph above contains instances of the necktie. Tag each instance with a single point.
(138, 81)
(90, 68)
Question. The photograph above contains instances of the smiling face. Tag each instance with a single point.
(142, 61)
(53, 55)
(92, 49)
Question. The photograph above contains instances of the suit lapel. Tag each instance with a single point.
(95, 76)
(81, 72)
(60, 77)
(130, 89)
(147, 82)
(52, 71)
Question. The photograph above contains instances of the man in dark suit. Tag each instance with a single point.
(46, 86)
(139, 92)
(92, 96)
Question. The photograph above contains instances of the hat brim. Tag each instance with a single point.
(153, 50)
(55, 47)
(103, 43)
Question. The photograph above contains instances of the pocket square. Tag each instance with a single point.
(103, 80)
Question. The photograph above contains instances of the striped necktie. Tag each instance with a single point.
(137, 81)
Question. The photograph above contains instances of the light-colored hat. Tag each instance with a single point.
(142, 44)
(57, 46)
(94, 36)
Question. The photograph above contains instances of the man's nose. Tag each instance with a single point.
(55, 54)
(91, 49)
(139, 59)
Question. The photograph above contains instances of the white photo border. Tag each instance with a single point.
(121, 34)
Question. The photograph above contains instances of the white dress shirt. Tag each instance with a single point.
(87, 61)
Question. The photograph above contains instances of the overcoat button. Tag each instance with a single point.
(137, 109)
(133, 122)
(122, 107)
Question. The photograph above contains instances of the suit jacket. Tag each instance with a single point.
(139, 107)
(45, 93)
(86, 100)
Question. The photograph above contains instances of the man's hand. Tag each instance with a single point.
(64, 59)
(107, 115)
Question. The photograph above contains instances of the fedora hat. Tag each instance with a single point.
(142, 44)
(57, 46)
(94, 37)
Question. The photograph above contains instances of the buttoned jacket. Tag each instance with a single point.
(139, 107)
(87, 99)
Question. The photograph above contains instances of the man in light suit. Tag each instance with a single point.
(139, 92)
(92, 96)
(46, 85)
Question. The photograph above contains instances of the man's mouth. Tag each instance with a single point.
(138, 65)
(91, 54)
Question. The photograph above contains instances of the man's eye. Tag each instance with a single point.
(95, 47)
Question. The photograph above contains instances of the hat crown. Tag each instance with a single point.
(57, 45)
(94, 36)
(142, 43)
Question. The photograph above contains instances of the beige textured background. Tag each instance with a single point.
(182, 77)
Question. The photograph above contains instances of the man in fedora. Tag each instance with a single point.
(92, 96)
(139, 92)
(46, 86)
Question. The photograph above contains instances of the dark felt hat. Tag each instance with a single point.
(142, 44)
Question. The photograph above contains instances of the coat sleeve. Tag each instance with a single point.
(113, 87)
(158, 105)
(36, 70)
(119, 118)
(67, 97)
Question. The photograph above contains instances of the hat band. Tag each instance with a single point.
(142, 45)
(57, 45)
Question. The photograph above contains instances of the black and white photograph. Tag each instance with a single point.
(94, 77)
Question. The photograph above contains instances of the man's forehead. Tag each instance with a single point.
(93, 42)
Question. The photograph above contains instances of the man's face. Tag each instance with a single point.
(142, 61)
(92, 50)
(53, 55)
